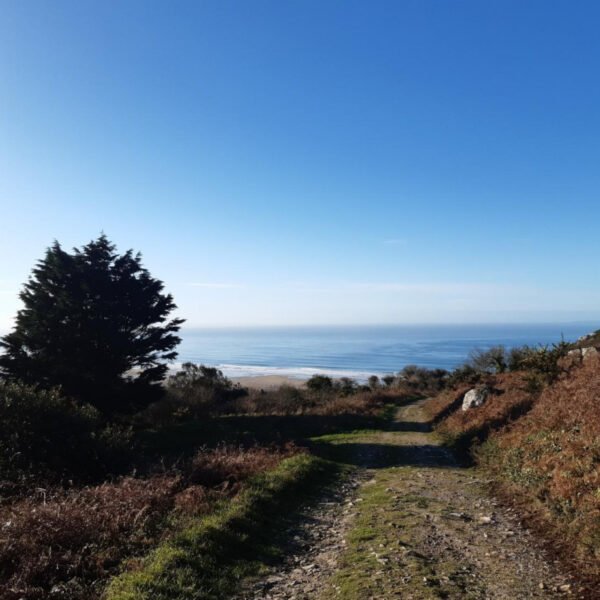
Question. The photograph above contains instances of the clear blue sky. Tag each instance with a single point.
(311, 161)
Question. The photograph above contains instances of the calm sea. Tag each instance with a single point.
(357, 351)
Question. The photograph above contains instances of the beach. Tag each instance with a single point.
(267, 382)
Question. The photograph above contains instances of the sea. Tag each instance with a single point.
(357, 351)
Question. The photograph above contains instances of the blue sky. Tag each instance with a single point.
(310, 162)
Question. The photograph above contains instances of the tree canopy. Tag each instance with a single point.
(94, 323)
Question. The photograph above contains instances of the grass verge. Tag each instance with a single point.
(209, 556)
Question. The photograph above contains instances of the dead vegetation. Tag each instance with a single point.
(542, 446)
(66, 542)
(288, 400)
(552, 454)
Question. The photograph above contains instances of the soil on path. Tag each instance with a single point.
(409, 523)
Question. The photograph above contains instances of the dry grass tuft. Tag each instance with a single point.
(508, 401)
(65, 543)
(553, 455)
(287, 401)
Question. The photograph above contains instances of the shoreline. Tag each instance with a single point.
(268, 382)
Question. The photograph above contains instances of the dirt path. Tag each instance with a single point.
(410, 523)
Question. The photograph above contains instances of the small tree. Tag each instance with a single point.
(94, 324)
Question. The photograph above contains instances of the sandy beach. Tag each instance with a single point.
(268, 382)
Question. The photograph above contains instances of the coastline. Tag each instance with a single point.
(267, 382)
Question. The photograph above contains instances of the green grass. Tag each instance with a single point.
(209, 556)
(212, 431)
(372, 565)
(381, 559)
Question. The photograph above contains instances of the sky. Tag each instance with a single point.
(311, 161)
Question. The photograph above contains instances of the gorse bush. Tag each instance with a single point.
(542, 363)
(465, 374)
(545, 361)
(47, 436)
(493, 360)
(421, 380)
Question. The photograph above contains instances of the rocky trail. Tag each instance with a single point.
(409, 522)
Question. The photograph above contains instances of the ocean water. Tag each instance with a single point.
(357, 352)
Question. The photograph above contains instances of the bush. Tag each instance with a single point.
(545, 361)
(464, 374)
(346, 386)
(374, 382)
(320, 384)
(195, 391)
(517, 357)
(388, 380)
(285, 400)
(421, 380)
(493, 360)
(47, 436)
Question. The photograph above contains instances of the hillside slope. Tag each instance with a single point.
(542, 449)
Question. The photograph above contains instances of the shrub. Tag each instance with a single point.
(493, 360)
(420, 380)
(345, 386)
(388, 380)
(320, 384)
(545, 361)
(45, 435)
(465, 374)
(194, 391)
(285, 400)
(362, 403)
(517, 357)
(374, 382)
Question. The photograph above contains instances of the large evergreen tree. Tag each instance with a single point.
(96, 324)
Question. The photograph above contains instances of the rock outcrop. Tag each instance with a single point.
(475, 397)
(583, 353)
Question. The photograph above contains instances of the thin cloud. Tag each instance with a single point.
(394, 242)
(404, 287)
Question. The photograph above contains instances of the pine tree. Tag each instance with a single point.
(95, 324)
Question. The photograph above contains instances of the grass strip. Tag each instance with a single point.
(209, 557)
